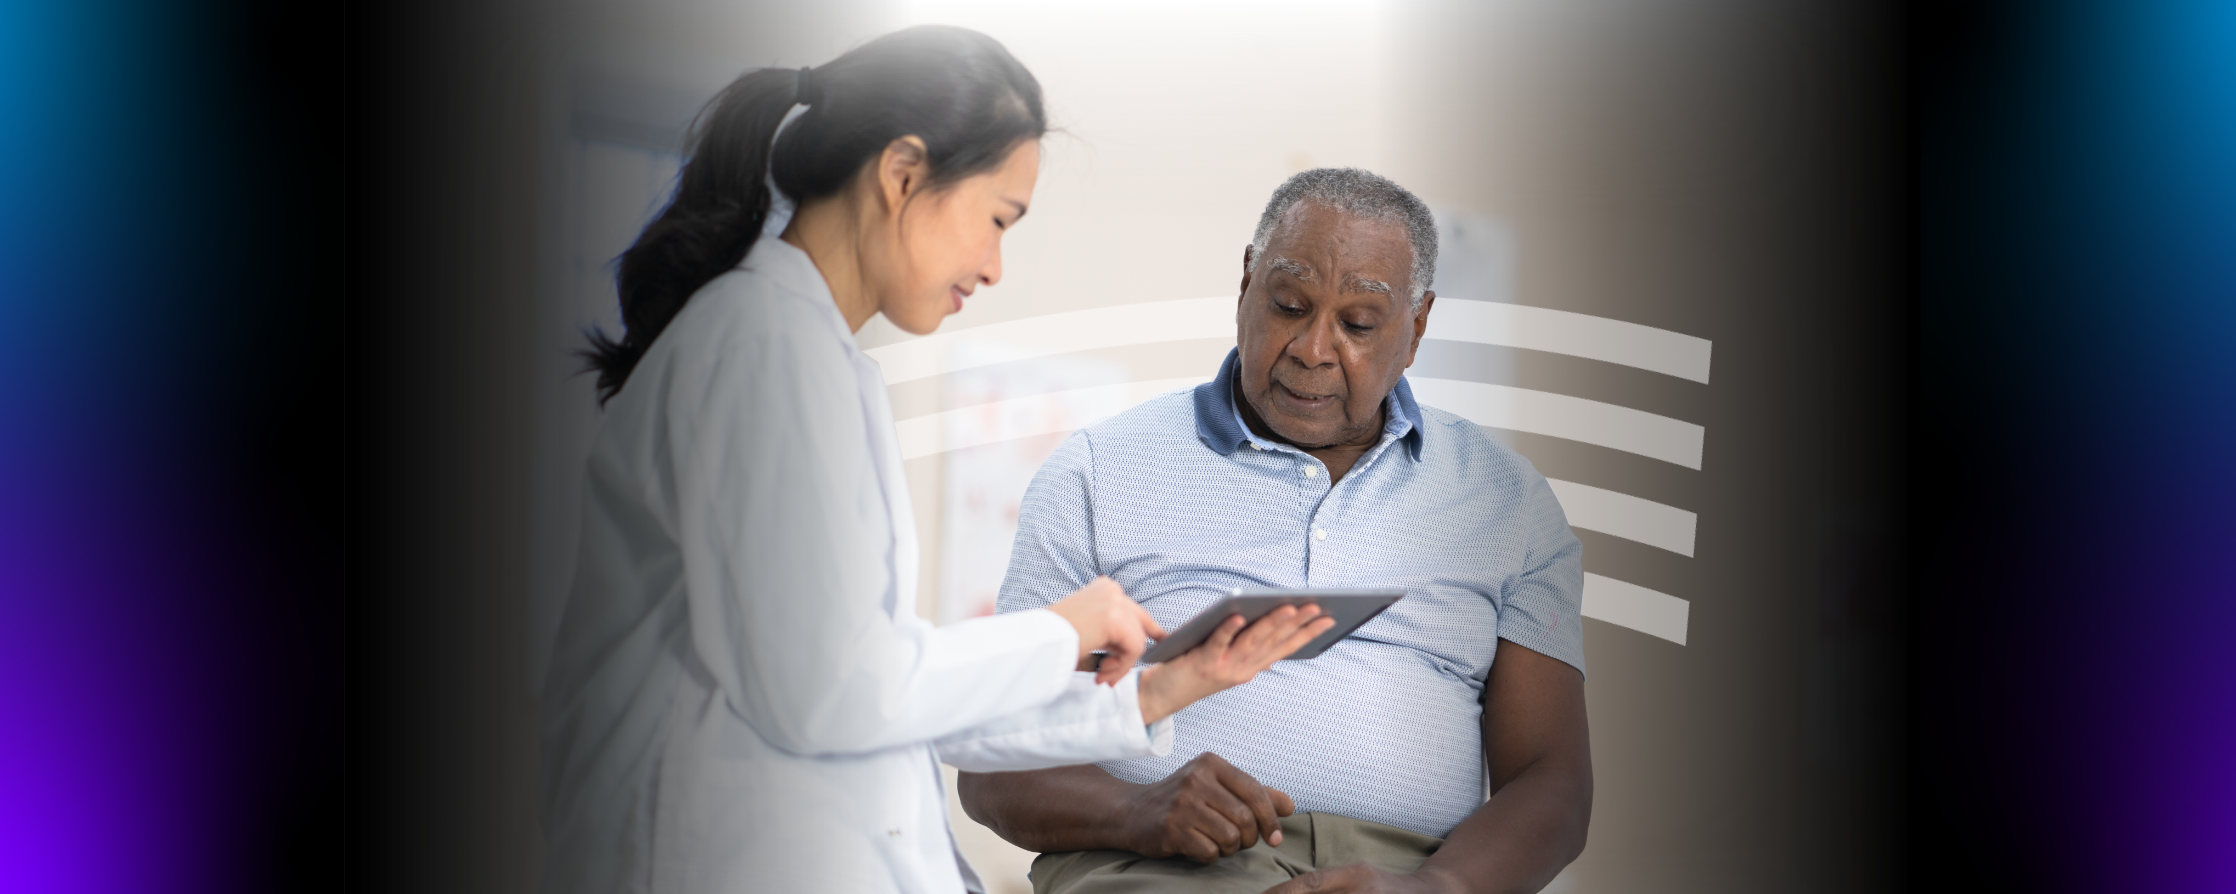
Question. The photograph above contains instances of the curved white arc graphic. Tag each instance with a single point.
(1481, 322)
(1630, 605)
(1561, 416)
(1574, 334)
(1622, 515)
(1040, 414)
(1060, 333)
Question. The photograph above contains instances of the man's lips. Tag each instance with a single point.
(1303, 398)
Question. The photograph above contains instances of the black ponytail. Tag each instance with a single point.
(956, 89)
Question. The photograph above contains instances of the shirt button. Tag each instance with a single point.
(1311, 471)
(1320, 534)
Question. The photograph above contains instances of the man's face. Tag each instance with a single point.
(1326, 327)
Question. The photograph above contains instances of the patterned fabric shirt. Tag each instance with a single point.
(1180, 503)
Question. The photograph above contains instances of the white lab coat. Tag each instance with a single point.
(742, 697)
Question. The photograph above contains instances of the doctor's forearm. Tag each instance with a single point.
(1060, 809)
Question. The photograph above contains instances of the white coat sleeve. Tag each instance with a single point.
(1089, 723)
(786, 552)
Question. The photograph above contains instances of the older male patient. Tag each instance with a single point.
(1307, 463)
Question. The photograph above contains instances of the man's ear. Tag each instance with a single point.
(1420, 325)
(1249, 253)
(902, 169)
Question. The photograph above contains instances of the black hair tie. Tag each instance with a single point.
(805, 93)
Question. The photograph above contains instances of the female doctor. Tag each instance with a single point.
(742, 697)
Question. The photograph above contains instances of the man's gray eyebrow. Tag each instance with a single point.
(1289, 267)
(1371, 285)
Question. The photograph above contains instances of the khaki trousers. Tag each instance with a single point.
(1309, 841)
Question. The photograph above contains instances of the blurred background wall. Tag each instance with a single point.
(1669, 281)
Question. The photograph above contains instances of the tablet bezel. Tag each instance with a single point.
(1350, 608)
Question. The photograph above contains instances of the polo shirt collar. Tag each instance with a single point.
(1219, 423)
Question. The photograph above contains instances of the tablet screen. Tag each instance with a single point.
(1349, 608)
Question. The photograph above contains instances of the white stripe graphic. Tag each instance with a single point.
(1626, 516)
(1022, 417)
(1574, 334)
(1063, 333)
(1562, 416)
(1630, 605)
(1481, 322)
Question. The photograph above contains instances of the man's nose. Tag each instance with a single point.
(1315, 346)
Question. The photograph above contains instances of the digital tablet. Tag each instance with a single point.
(1349, 608)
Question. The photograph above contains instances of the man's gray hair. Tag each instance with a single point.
(1364, 194)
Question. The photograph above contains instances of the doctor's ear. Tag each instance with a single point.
(902, 169)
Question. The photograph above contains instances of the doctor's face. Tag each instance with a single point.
(950, 241)
(1325, 325)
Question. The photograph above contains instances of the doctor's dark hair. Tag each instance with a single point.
(956, 89)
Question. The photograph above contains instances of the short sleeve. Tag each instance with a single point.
(1542, 607)
(1054, 553)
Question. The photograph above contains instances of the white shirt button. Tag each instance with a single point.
(1311, 471)
(1320, 534)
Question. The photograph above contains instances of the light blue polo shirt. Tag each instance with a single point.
(1178, 502)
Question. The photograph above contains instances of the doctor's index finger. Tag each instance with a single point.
(1149, 623)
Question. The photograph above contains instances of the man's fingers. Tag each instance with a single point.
(1261, 807)
(1282, 805)
(1255, 798)
(1200, 848)
(1234, 807)
(1217, 826)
